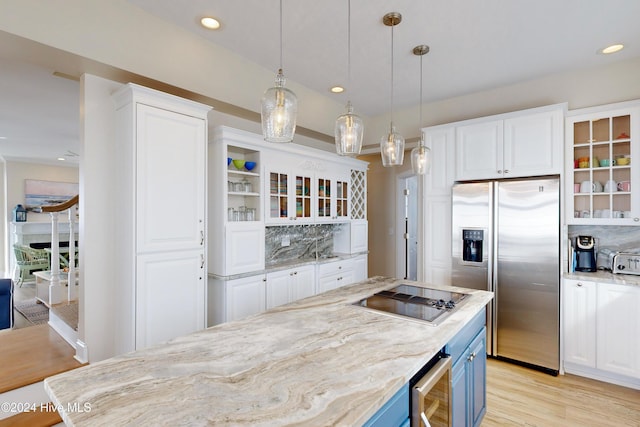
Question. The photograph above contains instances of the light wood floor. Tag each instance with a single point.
(31, 354)
(518, 396)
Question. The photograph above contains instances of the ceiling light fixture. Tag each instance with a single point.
(279, 107)
(392, 144)
(336, 89)
(210, 23)
(421, 155)
(612, 49)
(349, 128)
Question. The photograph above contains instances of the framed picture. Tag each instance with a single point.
(46, 193)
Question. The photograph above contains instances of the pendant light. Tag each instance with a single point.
(421, 155)
(279, 107)
(392, 144)
(349, 128)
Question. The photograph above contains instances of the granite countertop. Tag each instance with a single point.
(299, 262)
(605, 276)
(319, 361)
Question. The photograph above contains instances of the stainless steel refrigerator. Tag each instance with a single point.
(506, 239)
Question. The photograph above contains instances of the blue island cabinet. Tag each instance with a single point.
(469, 373)
(394, 413)
(468, 382)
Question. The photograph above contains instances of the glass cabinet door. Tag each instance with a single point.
(303, 196)
(324, 198)
(342, 199)
(278, 195)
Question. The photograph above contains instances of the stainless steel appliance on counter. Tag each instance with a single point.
(506, 239)
(428, 304)
(626, 263)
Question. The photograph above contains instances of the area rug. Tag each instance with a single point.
(34, 312)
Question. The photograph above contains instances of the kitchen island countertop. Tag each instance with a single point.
(317, 361)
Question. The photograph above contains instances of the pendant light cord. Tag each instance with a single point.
(349, 47)
(420, 118)
(280, 34)
(392, 25)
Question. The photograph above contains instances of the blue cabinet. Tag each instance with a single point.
(468, 382)
(394, 413)
(468, 374)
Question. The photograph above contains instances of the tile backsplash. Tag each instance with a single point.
(299, 242)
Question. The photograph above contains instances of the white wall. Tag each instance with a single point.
(98, 224)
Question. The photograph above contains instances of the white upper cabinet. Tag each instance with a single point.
(525, 143)
(533, 144)
(170, 177)
(441, 142)
(479, 151)
(600, 174)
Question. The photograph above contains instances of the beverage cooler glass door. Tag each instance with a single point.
(431, 397)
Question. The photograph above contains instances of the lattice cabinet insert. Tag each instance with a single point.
(358, 194)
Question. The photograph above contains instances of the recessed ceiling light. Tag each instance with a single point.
(337, 89)
(210, 23)
(61, 159)
(3, 137)
(612, 49)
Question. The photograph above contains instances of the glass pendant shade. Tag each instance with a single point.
(392, 148)
(279, 111)
(349, 131)
(421, 158)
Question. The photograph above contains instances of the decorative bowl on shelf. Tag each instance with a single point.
(238, 163)
(249, 165)
(228, 161)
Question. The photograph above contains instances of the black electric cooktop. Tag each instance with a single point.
(428, 304)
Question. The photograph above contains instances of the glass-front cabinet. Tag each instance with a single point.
(290, 197)
(601, 144)
(333, 197)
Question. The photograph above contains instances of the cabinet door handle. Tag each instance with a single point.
(471, 357)
(425, 420)
(507, 171)
(499, 170)
(201, 260)
(201, 237)
(579, 284)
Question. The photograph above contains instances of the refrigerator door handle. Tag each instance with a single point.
(493, 266)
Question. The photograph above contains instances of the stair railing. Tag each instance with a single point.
(54, 210)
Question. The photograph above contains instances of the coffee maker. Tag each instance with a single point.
(585, 253)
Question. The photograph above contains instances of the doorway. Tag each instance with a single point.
(407, 227)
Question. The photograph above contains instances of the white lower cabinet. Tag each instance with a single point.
(332, 275)
(170, 296)
(235, 299)
(618, 329)
(580, 322)
(602, 331)
(286, 286)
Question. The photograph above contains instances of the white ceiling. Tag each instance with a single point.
(475, 46)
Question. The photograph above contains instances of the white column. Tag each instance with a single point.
(71, 289)
(55, 248)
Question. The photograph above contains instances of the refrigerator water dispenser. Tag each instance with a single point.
(472, 245)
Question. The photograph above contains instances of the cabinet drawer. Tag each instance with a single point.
(335, 267)
(461, 341)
